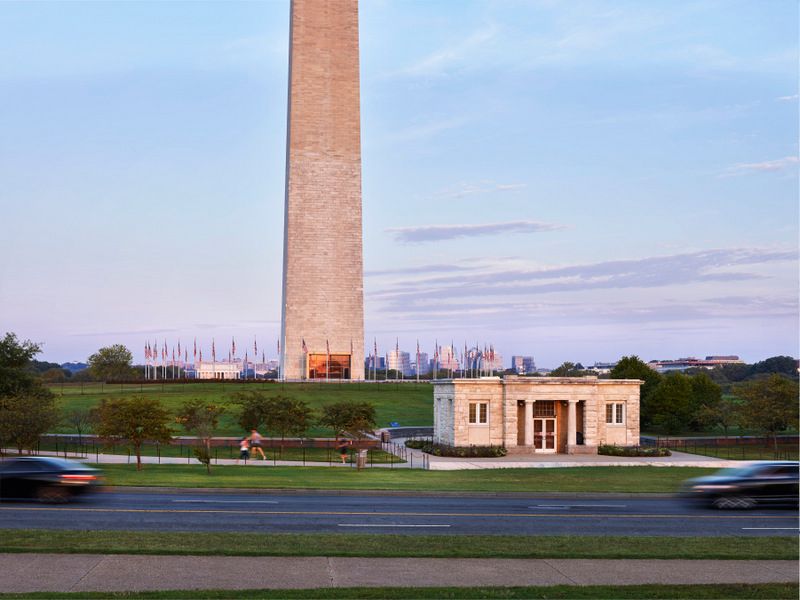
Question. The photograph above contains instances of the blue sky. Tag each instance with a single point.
(572, 180)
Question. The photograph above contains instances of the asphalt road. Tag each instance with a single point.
(313, 513)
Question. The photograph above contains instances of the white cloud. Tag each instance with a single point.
(433, 233)
(480, 187)
(788, 98)
(768, 166)
(444, 59)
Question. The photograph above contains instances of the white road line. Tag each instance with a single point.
(385, 525)
(579, 506)
(774, 528)
(229, 501)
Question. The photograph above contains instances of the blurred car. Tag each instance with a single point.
(46, 478)
(747, 486)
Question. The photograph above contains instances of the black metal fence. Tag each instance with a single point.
(731, 448)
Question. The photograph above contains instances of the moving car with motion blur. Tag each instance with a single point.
(761, 483)
(46, 478)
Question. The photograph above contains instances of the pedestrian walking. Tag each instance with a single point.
(343, 449)
(244, 450)
(255, 443)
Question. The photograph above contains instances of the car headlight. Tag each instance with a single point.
(713, 487)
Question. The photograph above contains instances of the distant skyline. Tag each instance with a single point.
(568, 180)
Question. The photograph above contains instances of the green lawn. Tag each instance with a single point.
(577, 479)
(406, 403)
(763, 591)
(433, 546)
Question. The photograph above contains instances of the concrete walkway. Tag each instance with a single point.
(110, 573)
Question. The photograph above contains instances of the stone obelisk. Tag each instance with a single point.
(322, 329)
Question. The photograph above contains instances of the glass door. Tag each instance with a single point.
(544, 435)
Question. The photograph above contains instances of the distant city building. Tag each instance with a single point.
(493, 361)
(400, 361)
(373, 363)
(448, 359)
(523, 364)
(681, 364)
(424, 364)
(602, 368)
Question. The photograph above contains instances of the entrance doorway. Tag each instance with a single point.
(544, 435)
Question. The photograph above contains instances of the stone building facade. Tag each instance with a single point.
(568, 415)
(322, 326)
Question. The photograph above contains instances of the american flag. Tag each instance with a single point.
(233, 346)
(179, 348)
(327, 347)
(305, 348)
(213, 351)
(194, 355)
(201, 355)
(255, 346)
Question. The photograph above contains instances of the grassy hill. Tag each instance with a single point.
(405, 403)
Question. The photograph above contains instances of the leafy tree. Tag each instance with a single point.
(785, 365)
(136, 420)
(633, 367)
(348, 416)
(54, 375)
(112, 363)
(254, 405)
(287, 416)
(769, 405)
(201, 418)
(81, 421)
(705, 395)
(670, 405)
(27, 408)
(568, 369)
(724, 413)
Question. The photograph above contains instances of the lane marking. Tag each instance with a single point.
(773, 528)
(579, 506)
(401, 514)
(229, 501)
(385, 525)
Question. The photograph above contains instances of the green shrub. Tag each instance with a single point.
(608, 450)
(429, 447)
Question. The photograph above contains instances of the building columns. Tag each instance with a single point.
(572, 421)
(529, 423)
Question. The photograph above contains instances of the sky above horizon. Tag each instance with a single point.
(569, 180)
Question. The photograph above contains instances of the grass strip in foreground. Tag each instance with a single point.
(433, 546)
(765, 591)
(574, 479)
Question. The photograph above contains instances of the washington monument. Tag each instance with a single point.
(322, 328)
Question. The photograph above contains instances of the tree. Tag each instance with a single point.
(27, 408)
(670, 406)
(287, 416)
(348, 416)
(112, 363)
(633, 367)
(724, 413)
(81, 420)
(769, 405)
(568, 369)
(134, 420)
(785, 365)
(706, 395)
(201, 419)
(253, 409)
(54, 375)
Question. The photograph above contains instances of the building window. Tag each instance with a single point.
(544, 408)
(478, 413)
(615, 413)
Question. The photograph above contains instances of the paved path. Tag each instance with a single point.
(110, 573)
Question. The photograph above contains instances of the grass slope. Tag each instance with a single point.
(391, 545)
(406, 403)
(577, 479)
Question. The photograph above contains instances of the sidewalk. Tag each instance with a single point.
(111, 573)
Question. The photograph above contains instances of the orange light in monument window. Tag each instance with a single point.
(320, 366)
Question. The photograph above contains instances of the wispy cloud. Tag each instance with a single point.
(419, 131)
(480, 187)
(446, 58)
(768, 166)
(433, 233)
(708, 266)
(788, 98)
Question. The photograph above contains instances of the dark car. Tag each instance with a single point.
(46, 478)
(745, 487)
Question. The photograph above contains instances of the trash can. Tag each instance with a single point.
(361, 459)
(386, 437)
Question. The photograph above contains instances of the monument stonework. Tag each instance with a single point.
(323, 298)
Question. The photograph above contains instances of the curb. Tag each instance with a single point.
(430, 494)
